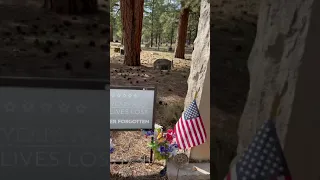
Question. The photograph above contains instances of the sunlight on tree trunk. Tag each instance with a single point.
(182, 34)
(132, 16)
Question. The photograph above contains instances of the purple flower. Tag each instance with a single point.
(148, 133)
(162, 149)
(111, 150)
(174, 146)
(172, 149)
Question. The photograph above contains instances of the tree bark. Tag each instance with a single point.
(171, 36)
(189, 36)
(152, 14)
(132, 16)
(111, 33)
(182, 33)
(159, 41)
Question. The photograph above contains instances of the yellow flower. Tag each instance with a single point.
(160, 138)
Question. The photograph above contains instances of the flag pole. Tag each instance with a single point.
(196, 94)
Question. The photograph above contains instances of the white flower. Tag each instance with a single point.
(157, 126)
(111, 144)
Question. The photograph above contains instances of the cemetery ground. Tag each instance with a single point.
(36, 42)
(171, 91)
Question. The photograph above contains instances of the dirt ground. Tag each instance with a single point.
(171, 91)
(35, 42)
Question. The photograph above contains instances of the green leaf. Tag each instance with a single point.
(151, 145)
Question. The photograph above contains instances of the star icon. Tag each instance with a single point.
(81, 108)
(9, 107)
(129, 95)
(124, 95)
(119, 95)
(46, 107)
(63, 107)
(27, 107)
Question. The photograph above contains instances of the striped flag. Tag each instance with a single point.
(189, 130)
(264, 159)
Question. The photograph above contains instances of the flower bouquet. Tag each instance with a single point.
(163, 145)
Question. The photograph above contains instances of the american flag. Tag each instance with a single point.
(189, 130)
(264, 159)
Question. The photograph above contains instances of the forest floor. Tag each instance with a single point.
(171, 91)
(36, 42)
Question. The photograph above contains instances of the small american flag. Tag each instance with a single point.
(190, 130)
(264, 159)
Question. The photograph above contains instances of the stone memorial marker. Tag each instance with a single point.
(54, 129)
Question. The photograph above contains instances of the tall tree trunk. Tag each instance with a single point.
(182, 33)
(111, 33)
(189, 36)
(152, 14)
(156, 39)
(72, 6)
(159, 41)
(189, 31)
(132, 16)
(171, 36)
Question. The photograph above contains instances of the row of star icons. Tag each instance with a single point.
(124, 95)
(46, 107)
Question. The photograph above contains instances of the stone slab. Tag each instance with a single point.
(199, 171)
